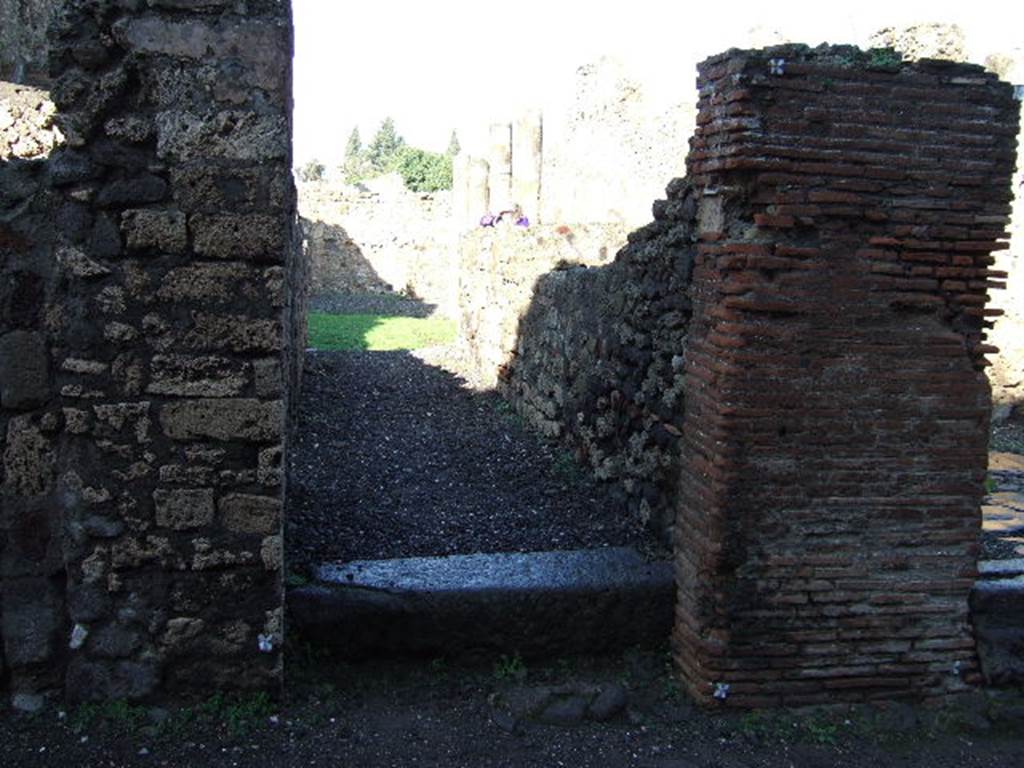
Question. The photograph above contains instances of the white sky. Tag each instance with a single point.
(435, 65)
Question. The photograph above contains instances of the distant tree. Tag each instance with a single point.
(453, 145)
(354, 166)
(384, 148)
(424, 171)
(312, 171)
(354, 147)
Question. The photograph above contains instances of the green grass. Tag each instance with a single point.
(377, 332)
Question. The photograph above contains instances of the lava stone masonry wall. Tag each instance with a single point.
(498, 271)
(835, 440)
(598, 360)
(150, 321)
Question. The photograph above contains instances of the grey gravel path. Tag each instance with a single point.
(396, 458)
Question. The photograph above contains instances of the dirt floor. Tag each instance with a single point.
(482, 713)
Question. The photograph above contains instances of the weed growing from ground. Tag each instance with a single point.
(509, 668)
(119, 716)
(821, 730)
(238, 714)
(1008, 437)
(242, 715)
(85, 717)
(788, 728)
(566, 468)
(508, 414)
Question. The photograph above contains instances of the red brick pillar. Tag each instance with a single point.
(837, 409)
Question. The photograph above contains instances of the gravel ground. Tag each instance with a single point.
(397, 458)
(399, 714)
(370, 304)
(402, 454)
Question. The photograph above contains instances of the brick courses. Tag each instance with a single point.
(834, 450)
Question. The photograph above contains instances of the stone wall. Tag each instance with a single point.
(151, 315)
(835, 442)
(499, 269)
(23, 47)
(380, 238)
(598, 360)
(33, 614)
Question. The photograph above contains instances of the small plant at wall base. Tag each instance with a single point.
(509, 668)
(884, 58)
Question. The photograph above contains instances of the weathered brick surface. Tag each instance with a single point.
(834, 448)
(150, 326)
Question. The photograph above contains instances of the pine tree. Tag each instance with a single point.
(385, 147)
(453, 146)
(353, 167)
(354, 147)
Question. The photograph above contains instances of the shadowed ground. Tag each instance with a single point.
(397, 458)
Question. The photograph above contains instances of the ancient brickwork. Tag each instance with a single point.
(151, 317)
(599, 356)
(837, 408)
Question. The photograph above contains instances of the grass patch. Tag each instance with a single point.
(377, 332)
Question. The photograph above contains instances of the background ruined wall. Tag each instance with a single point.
(149, 327)
(612, 150)
(499, 271)
(379, 239)
(602, 154)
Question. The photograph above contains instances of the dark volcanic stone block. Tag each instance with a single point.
(539, 603)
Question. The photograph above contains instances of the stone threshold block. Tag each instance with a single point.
(997, 611)
(537, 603)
